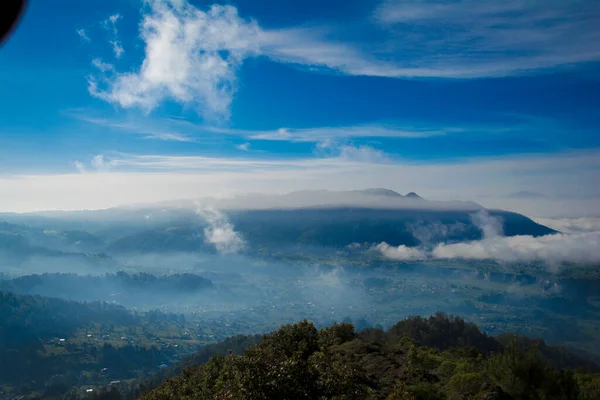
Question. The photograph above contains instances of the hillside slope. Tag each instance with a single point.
(327, 219)
(330, 228)
(300, 362)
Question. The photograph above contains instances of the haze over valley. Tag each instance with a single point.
(370, 257)
(374, 199)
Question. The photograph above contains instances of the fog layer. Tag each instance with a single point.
(579, 243)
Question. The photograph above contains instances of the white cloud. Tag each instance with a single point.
(551, 249)
(220, 231)
(83, 35)
(401, 252)
(111, 24)
(244, 146)
(102, 66)
(80, 167)
(98, 163)
(117, 48)
(191, 57)
(113, 20)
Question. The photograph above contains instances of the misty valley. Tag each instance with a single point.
(105, 302)
(299, 200)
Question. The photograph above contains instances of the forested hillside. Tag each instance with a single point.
(80, 350)
(437, 358)
(328, 227)
(100, 237)
(49, 346)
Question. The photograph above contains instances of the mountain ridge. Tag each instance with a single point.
(333, 222)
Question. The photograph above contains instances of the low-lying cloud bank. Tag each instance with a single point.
(582, 248)
(579, 243)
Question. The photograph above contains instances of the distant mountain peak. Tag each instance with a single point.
(413, 195)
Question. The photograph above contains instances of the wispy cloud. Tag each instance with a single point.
(489, 38)
(535, 166)
(183, 130)
(117, 48)
(243, 146)
(320, 134)
(217, 164)
(167, 136)
(98, 163)
(102, 66)
(111, 24)
(83, 35)
(152, 130)
(192, 56)
(450, 39)
(311, 47)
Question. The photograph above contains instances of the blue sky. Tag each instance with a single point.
(452, 99)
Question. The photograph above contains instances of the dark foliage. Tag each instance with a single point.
(442, 332)
(30, 331)
(233, 345)
(300, 362)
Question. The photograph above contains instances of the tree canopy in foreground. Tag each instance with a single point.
(436, 358)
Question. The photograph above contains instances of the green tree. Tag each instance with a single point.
(400, 392)
(589, 386)
(464, 385)
(520, 373)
